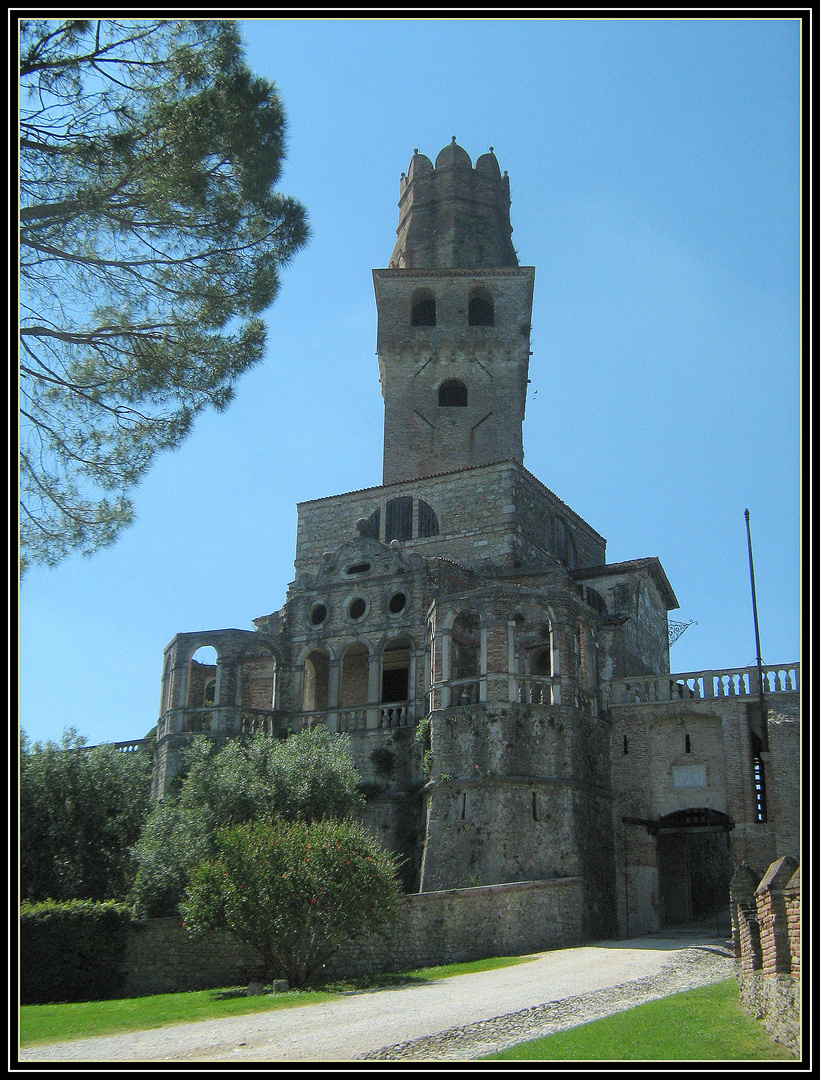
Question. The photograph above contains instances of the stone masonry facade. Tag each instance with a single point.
(431, 928)
(465, 603)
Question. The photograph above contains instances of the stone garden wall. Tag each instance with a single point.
(766, 937)
(431, 928)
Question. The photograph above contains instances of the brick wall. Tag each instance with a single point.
(766, 938)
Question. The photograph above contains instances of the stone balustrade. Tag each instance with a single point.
(538, 690)
(701, 685)
(396, 714)
(230, 720)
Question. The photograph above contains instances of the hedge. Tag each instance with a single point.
(72, 951)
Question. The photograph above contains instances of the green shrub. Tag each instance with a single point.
(294, 891)
(309, 776)
(72, 951)
(81, 811)
(384, 761)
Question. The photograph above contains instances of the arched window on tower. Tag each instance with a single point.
(452, 394)
(423, 309)
(398, 523)
(428, 522)
(480, 311)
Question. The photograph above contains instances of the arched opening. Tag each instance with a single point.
(398, 520)
(355, 670)
(428, 521)
(423, 308)
(452, 394)
(202, 671)
(317, 675)
(480, 311)
(536, 685)
(165, 696)
(259, 681)
(396, 671)
(694, 864)
(465, 661)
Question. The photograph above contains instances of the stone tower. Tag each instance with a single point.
(454, 321)
(506, 691)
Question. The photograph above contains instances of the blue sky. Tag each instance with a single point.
(654, 168)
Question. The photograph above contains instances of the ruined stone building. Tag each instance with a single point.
(465, 603)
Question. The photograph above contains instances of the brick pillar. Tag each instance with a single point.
(771, 914)
(792, 898)
(745, 930)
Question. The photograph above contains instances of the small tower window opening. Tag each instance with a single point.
(480, 311)
(626, 745)
(761, 815)
(452, 394)
(210, 693)
(687, 743)
(535, 806)
(424, 309)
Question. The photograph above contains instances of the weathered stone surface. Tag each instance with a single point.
(464, 600)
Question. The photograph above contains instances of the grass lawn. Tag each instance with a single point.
(706, 1024)
(78, 1020)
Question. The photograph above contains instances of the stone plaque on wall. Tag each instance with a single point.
(689, 775)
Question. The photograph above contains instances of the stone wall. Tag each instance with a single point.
(657, 771)
(488, 516)
(766, 939)
(431, 928)
(521, 791)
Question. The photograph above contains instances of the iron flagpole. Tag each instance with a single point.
(764, 727)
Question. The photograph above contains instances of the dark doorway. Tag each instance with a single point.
(694, 865)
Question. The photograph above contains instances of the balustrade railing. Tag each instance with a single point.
(229, 719)
(702, 685)
(537, 689)
(586, 701)
(395, 715)
(465, 691)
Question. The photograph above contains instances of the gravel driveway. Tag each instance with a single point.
(451, 1019)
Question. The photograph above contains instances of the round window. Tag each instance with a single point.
(397, 603)
(318, 614)
(356, 608)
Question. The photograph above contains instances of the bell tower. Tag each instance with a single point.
(454, 310)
